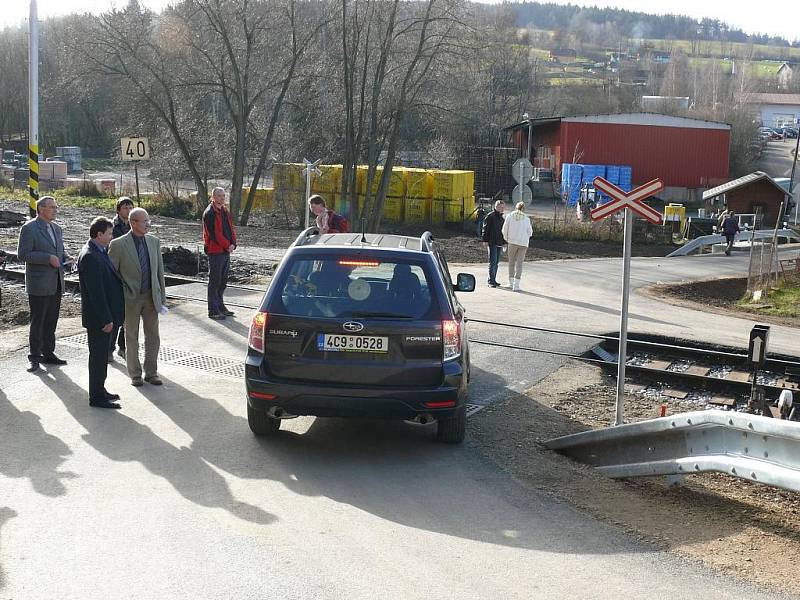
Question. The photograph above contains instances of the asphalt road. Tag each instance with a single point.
(172, 497)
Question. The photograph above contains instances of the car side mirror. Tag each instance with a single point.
(465, 283)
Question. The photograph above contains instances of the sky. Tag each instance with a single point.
(775, 17)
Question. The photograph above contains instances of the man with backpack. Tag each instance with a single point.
(327, 220)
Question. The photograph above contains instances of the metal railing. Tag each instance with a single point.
(743, 236)
(755, 448)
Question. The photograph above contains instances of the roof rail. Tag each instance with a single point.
(426, 242)
(307, 233)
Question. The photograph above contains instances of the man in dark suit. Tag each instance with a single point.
(102, 307)
(41, 248)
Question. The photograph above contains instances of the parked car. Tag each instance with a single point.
(789, 132)
(357, 325)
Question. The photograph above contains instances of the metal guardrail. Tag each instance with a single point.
(743, 236)
(755, 448)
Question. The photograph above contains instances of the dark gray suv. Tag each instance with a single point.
(357, 325)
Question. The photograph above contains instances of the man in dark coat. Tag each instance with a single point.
(494, 240)
(102, 307)
(730, 227)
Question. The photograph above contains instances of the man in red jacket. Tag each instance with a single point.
(219, 240)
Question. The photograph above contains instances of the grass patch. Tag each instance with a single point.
(783, 301)
(64, 198)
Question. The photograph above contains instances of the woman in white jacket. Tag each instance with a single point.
(517, 231)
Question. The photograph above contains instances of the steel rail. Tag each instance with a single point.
(751, 447)
(646, 343)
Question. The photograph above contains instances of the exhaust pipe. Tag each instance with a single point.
(279, 413)
(422, 419)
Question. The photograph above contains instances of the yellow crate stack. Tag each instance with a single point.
(288, 176)
(452, 196)
(419, 183)
(264, 199)
(328, 182)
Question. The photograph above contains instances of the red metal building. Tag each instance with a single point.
(683, 152)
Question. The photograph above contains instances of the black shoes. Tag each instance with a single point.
(110, 396)
(216, 316)
(104, 403)
(494, 284)
(33, 368)
(53, 360)
(227, 313)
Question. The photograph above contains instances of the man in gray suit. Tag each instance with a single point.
(137, 258)
(41, 247)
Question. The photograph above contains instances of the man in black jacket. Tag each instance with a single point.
(494, 240)
(102, 307)
(121, 227)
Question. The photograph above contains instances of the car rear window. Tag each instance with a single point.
(355, 286)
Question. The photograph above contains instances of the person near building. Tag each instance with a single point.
(219, 240)
(121, 227)
(328, 221)
(730, 227)
(41, 248)
(102, 307)
(517, 231)
(494, 240)
(137, 258)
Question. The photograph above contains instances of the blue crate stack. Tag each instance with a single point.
(573, 176)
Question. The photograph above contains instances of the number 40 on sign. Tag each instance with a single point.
(135, 149)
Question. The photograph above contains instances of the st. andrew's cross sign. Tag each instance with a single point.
(622, 200)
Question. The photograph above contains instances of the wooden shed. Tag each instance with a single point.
(756, 193)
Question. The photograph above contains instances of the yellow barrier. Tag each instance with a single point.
(265, 197)
(452, 185)
(418, 210)
(419, 183)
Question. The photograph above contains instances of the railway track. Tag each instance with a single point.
(723, 375)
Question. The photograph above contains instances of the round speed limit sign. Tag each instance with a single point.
(135, 149)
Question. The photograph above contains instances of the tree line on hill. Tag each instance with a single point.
(224, 88)
(638, 25)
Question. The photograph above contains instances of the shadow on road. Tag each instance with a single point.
(6, 514)
(22, 438)
(393, 470)
(597, 308)
(122, 439)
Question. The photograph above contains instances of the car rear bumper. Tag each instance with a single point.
(315, 399)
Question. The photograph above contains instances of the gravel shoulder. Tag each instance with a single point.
(738, 528)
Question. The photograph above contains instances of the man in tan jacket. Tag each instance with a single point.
(137, 257)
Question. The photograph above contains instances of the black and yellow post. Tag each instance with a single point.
(33, 178)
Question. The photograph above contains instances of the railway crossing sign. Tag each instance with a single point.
(632, 201)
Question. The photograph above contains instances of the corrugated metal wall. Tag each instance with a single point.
(681, 157)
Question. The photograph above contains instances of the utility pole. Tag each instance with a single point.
(33, 110)
(791, 178)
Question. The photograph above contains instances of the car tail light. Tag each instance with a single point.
(440, 404)
(451, 339)
(255, 339)
(262, 396)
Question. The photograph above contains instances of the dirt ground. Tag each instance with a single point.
(744, 529)
(714, 295)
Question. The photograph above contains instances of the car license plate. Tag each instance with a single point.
(334, 342)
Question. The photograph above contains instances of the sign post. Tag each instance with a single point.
(620, 200)
(522, 171)
(33, 110)
(135, 149)
(311, 167)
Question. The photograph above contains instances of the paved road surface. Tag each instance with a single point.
(172, 497)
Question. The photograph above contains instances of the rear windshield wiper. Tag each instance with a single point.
(386, 315)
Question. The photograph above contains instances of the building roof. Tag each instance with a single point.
(741, 182)
(641, 118)
(772, 99)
